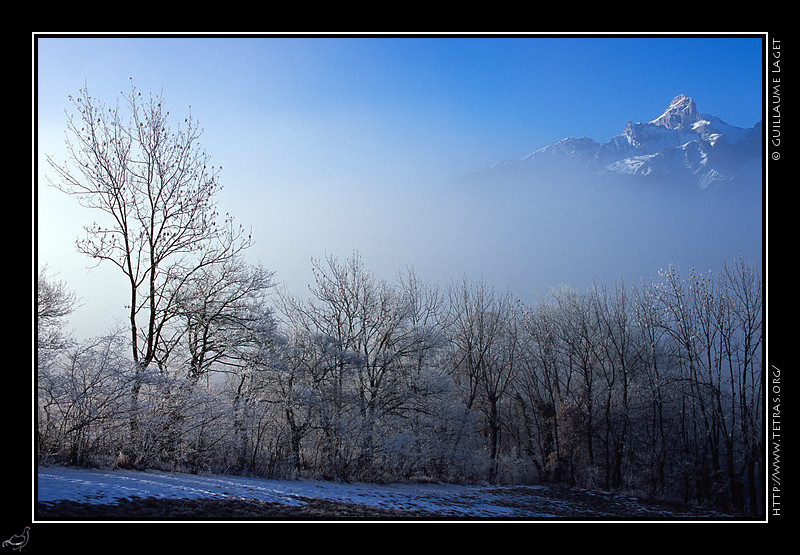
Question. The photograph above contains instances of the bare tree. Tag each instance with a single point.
(578, 337)
(359, 366)
(713, 324)
(484, 334)
(539, 386)
(619, 363)
(155, 188)
(371, 323)
(742, 284)
(223, 309)
(656, 384)
(54, 302)
(81, 404)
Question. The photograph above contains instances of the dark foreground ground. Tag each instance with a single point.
(575, 505)
(215, 508)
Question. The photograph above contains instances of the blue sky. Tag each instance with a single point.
(332, 144)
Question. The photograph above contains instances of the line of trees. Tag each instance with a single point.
(655, 389)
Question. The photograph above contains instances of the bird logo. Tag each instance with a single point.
(18, 541)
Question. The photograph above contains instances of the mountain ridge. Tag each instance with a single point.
(682, 144)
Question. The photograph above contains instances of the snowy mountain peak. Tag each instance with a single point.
(680, 145)
(681, 114)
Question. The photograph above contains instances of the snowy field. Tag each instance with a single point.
(97, 486)
(104, 487)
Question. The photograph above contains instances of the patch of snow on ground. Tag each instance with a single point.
(55, 484)
(104, 486)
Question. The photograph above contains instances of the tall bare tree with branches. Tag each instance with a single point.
(155, 188)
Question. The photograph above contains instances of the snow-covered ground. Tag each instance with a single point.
(103, 486)
(451, 501)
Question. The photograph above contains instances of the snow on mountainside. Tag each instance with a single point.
(684, 188)
(681, 144)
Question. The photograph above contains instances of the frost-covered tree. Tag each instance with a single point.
(54, 302)
(154, 188)
(222, 309)
(360, 368)
(82, 408)
(712, 323)
(542, 384)
(483, 330)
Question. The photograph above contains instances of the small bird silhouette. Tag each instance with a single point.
(18, 541)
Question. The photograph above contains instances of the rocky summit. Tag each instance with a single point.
(682, 145)
(681, 113)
